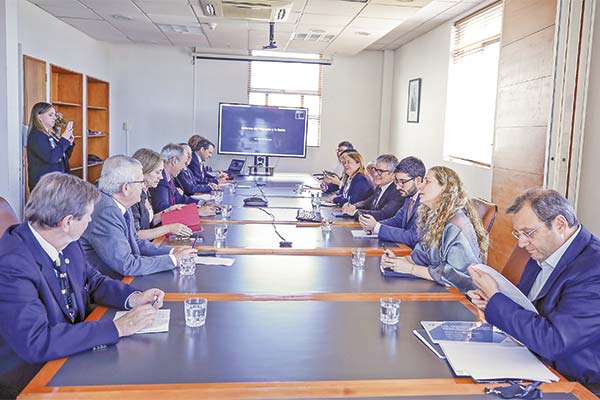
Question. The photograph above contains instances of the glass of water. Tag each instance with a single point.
(232, 188)
(326, 225)
(358, 258)
(220, 232)
(195, 311)
(187, 266)
(226, 212)
(389, 310)
(217, 195)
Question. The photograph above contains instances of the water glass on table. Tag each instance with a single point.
(217, 196)
(358, 258)
(389, 310)
(187, 266)
(195, 311)
(220, 232)
(226, 211)
(326, 225)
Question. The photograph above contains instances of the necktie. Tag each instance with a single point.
(409, 212)
(172, 191)
(65, 286)
(377, 196)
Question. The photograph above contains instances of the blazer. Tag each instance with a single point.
(361, 187)
(34, 326)
(188, 183)
(448, 262)
(140, 214)
(200, 171)
(390, 202)
(112, 247)
(399, 228)
(46, 154)
(565, 332)
(164, 195)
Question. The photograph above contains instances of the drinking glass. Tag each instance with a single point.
(218, 196)
(221, 232)
(195, 311)
(226, 212)
(326, 225)
(187, 266)
(389, 310)
(358, 258)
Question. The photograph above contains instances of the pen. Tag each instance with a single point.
(154, 300)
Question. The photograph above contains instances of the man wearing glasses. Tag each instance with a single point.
(386, 200)
(402, 227)
(110, 242)
(562, 279)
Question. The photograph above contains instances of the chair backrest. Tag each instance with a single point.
(7, 216)
(515, 265)
(487, 212)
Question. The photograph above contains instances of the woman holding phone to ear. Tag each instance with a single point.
(46, 150)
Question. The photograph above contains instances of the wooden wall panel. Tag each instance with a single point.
(34, 84)
(525, 17)
(522, 111)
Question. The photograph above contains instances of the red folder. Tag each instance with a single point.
(187, 215)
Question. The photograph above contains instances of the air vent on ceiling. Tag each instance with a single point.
(313, 37)
(256, 10)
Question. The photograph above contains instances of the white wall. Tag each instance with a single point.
(589, 189)
(152, 92)
(427, 58)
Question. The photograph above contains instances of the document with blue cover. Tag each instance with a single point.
(464, 331)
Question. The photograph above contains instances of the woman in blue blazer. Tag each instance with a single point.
(46, 151)
(355, 185)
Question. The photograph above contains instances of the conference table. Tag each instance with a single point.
(282, 323)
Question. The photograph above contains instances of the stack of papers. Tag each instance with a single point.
(160, 323)
(228, 262)
(479, 350)
(507, 288)
(359, 233)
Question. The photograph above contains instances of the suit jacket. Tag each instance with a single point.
(201, 171)
(398, 229)
(112, 247)
(390, 202)
(163, 196)
(141, 215)
(46, 154)
(188, 183)
(565, 333)
(34, 326)
(361, 187)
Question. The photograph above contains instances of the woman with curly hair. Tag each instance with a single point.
(451, 235)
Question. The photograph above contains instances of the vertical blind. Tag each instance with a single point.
(472, 86)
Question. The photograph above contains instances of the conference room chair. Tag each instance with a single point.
(487, 212)
(7, 216)
(513, 269)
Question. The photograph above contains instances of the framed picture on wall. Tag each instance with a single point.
(414, 100)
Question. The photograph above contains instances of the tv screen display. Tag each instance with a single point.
(262, 131)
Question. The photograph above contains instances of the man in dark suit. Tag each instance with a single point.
(46, 285)
(562, 279)
(203, 151)
(166, 194)
(187, 181)
(110, 242)
(402, 227)
(386, 200)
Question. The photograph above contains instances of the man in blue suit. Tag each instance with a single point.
(562, 279)
(386, 200)
(402, 227)
(203, 151)
(110, 242)
(46, 285)
(187, 181)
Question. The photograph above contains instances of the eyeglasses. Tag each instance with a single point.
(527, 234)
(402, 181)
(142, 181)
(379, 171)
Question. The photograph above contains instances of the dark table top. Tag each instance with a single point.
(286, 275)
(273, 341)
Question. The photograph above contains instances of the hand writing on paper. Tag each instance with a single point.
(135, 320)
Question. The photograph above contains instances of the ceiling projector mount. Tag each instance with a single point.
(272, 44)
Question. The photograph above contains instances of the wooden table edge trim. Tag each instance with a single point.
(256, 390)
(323, 251)
(278, 222)
(341, 297)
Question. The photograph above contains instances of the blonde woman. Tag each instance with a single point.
(451, 235)
(144, 217)
(355, 185)
(46, 151)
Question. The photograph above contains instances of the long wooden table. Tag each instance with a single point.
(282, 323)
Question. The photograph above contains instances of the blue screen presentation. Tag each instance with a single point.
(258, 130)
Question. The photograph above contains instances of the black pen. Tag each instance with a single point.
(155, 300)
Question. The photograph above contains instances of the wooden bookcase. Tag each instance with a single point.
(97, 125)
(66, 94)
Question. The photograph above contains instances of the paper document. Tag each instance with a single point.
(507, 288)
(205, 197)
(228, 262)
(464, 331)
(328, 204)
(359, 233)
(434, 347)
(484, 361)
(160, 323)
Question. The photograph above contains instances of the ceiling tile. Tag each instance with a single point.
(173, 19)
(186, 40)
(160, 7)
(330, 30)
(75, 10)
(414, 3)
(229, 35)
(124, 7)
(323, 19)
(333, 7)
(372, 25)
(99, 30)
(302, 46)
(388, 12)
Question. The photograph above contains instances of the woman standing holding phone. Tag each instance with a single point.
(46, 151)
